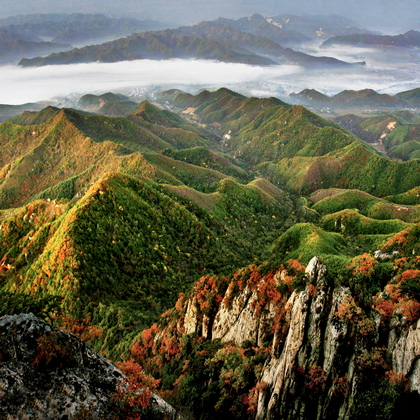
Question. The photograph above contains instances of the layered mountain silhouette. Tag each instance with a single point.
(208, 40)
(111, 104)
(410, 39)
(267, 28)
(293, 30)
(76, 28)
(365, 98)
(14, 46)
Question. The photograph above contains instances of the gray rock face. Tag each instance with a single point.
(315, 342)
(46, 373)
(406, 355)
(313, 370)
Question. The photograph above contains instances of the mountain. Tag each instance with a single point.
(311, 97)
(267, 28)
(207, 40)
(293, 147)
(221, 31)
(274, 340)
(242, 257)
(293, 30)
(14, 46)
(156, 46)
(76, 28)
(9, 111)
(32, 19)
(319, 26)
(411, 96)
(38, 162)
(410, 39)
(110, 104)
(60, 158)
(365, 98)
(396, 134)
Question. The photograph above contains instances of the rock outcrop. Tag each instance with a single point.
(326, 343)
(46, 373)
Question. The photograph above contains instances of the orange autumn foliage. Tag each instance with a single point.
(410, 274)
(133, 393)
(251, 400)
(411, 310)
(401, 238)
(363, 264)
(82, 328)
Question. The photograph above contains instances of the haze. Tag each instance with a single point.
(373, 13)
(22, 85)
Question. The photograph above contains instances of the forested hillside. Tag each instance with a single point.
(175, 239)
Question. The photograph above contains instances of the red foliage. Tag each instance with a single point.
(265, 287)
(315, 378)
(395, 378)
(396, 299)
(179, 303)
(148, 336)
(142, 350)
(81, 327)
(137, 376)
(386, 307)
(363, 264)
(205, 292)
(348, 309)
(411, 310)
(372, 361)
(295, 265)
(134, 393)
(401, 239)
(312, 290)
(410, 274)
(169, 347)
(251, 400)
(342, 386)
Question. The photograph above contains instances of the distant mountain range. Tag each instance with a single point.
(365, 98)
(410, 39)
(255, 40)
(293, 30)
(24, 36)
(207, 40)
(76, 28)
(8, 111)
(14, 46)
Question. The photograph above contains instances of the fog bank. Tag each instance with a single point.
(22, 85)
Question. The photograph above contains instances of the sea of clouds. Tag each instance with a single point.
(32, 84)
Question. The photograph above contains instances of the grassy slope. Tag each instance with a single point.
(122, 249)
(125, 250)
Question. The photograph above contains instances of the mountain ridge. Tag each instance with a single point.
(115, 218)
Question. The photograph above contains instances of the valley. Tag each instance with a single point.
(179, 248)
(108, 222)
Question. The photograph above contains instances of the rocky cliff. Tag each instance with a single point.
(331, 354)
(46, 373)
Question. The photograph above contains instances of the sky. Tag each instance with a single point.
(380, 13)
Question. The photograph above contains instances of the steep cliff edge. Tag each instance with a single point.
(312, 346)
(47, 373)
